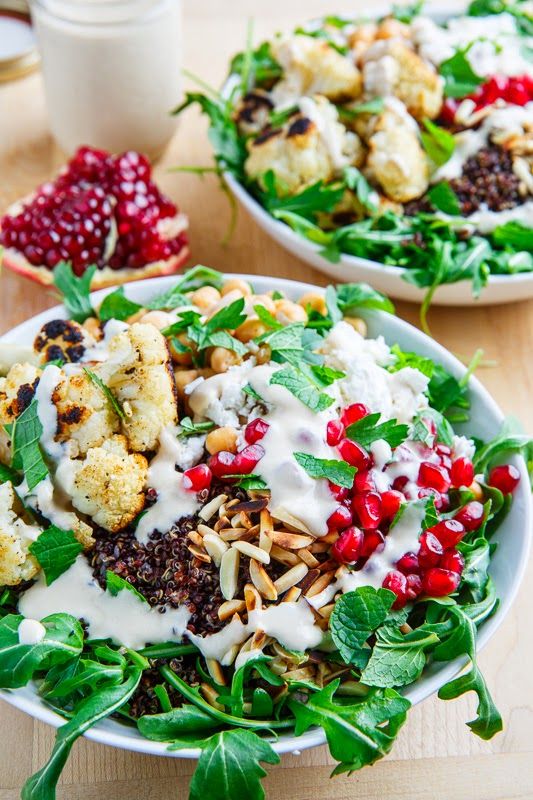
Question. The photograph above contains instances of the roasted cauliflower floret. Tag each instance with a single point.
(392, 68)
(311, 66)
(108, 484)
(17, 390)
(84, 416)
(62, 339)
(253, 111)
(313, 146)
(49, 499)
(396, 160)
(139, 373)
(16, 562)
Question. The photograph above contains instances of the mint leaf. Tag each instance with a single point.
(115, 584)
(75, 291)
(443, 198)
(302, 388)
(26, 433)
(367, 430)
(397, 659)
(117, 306)
(190, 428)
(355, 616)
(56, 551)
(338, 472)
(438, 143)
(421, 432)
(7, 475)
(460, 78)
(267, 318)
(223, 339)
(325, 376)
(106, 391)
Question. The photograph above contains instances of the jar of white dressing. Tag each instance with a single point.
(112, 71)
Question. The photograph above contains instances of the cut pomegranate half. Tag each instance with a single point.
(101, 209)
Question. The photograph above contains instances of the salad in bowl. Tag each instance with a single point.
(392, 150)
(235, 521)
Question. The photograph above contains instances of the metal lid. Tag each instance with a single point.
(18, 49)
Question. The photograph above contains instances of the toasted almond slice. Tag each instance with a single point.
(216, 671)
(308, 558)
(291, 577)
(232, 534)
(265, 521)
(278, 666)
(292, 595)
(229, 572)
(319, 584)
(212, 507)
(252, 551)
(288, 519)
(326, 611)
(289, 541)
(221, 523)
(330, 538)
(258, 640)
(229, 608)
(241, 519)
(215, 546)
(203, 529)
(199, 554)
(328, 566)
(264, 542)
(319, 547)
(195, 538)
(284, 556)
(262, 581)
(211, 695)
(231, 655)
(252, 598)
(300, 674)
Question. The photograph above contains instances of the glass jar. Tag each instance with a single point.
(112, 71)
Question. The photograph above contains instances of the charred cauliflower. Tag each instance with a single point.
(17, 390)
(84, 416)
(108, 484)
(16, 562)
(396, 159)
(63, 339)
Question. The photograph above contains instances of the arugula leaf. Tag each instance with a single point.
(117, 306)
(56, 551)
(267, 318)
(355, 616)
(307, 203)
(301, 387)
(264, 69)
(115, 584)
(515, 234)
(475, 574)
(86, 675)
(26, 453)
(510, 439)
(190, 428)
(443, 198)
(488, 721)
(235, 698)
(75, 291)
(460, 78)
(92, 709)
(193, 279)
(358, 734)
(366, 430)
(445, 392)
(354, 296)
(338, 472)
(7, 475)
(106, 391)
(438, 143)
(174, 724)
(397, 659)
(356, 181)
(18, 662)
(373, 106)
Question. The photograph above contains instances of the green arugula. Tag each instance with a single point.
(373, 106)
(448, 395)
(514, 234)
(367, 430)
(510, 439)
(352, 297)
(190, 428)
(106, 391)
(444, 199)
(460, 79)
(249, 482)
(398, 659)
(306, 203)
(263, 68)
(355, 617)
(75, 291)
(116, 305)
(338, 472)
(475, 574)
(303, 387)
(356, 181)
(25, 434)
(438, 143)
(115, 584)
(56, 551)
(176, 724)
(193, 279)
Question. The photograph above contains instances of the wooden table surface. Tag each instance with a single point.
(435, 756)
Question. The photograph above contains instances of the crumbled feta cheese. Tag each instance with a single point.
(31, 631)
(463, 447)
(189, 451)
(220, 398)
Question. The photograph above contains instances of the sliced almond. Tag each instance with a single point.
(291, 577)
(212, 507)
(252, 598)
(203, 529)
(308, 558)
(262, 581)
(326, 611)
(264, 542)
(195, 538)
(229, 572)
(231, 655)
(258, 640)
(232, 534)
(284, 516)
(328, 566)
(292, 595)
(284, 556)
(277, 665)
(216, 671)
(229, 608)
(329, 538)
(201, 555)
(300, 674)
(319, 547)
(289, 541)
(221, 523)
(215, 546)
(211, 695)
(265, 521)
(319, 584)
(252, 551)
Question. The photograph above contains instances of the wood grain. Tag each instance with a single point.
(436, 756)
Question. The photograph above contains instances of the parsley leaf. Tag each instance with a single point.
(444, 199)
(302, 387)
(367, 430)
(228, 317)
(106, 391)
(75, 291)
(115, 584)
(117, 306)
(407, 359)
(338, 472)
(397, 659)
(460, 78)
(26, 433)
(438, 143)
(56, 551)
(190, 428)
(267, 318)
(355, 616)
(406, 12)
(446, 393)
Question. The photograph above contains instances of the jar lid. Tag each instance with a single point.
(18, 49)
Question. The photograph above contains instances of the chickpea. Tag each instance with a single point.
(316, 301)
(250, 330)
(287, 311)
(477, 491)
(92, 326)
(391, 29)
(222, 359)
(205, 297)
(183, 377)
(159, 319)
(224, 438)
(263, 355)
(183, 359)
(357, 324)
(236, 284)
(262, 300)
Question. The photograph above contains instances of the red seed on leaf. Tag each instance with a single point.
(390, 503)
(354, 413)
(448, 532)
(197, 478)
(414, 586)
(440, 582)
(505, 478)
(452, 560)
(347, 548)
(396, 582)
(354, 454)
(246, 460)
(430, 550)
(367, 506)
(462, 472)
(222, 463)
(471, 515)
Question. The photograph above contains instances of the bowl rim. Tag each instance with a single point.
(105, 732)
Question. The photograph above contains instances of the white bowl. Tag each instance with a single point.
(388, 279)
(507, 566)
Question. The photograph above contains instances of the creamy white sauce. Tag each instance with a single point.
(47, 411)
(44, 498)
(31, 631)
(100, 351)
(124, 618)
(220, 398)
(173, 501)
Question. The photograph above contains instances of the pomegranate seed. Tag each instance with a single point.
(354, 454)
(414, 586)
(364, 481)
(505, 478)
(222, 463)
(408, 564)
(441, 500)
(396, 582)
(433, 477)
(339, 492)
(453, 561)
(374, 540)
(390, 503)
(367, 506)
(471, 515)
(334, 432)
(246, 460)
(440, 582)
(462, 472)
(354, 413)
(340, 519)
(443, 449)
(448, 531)
(400, 483)
(347, 548)
(255, 430)
(430, 550)
(197, 478)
